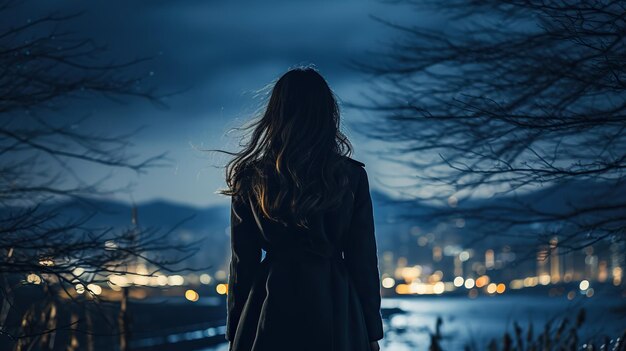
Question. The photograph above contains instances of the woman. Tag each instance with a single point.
(298, 196)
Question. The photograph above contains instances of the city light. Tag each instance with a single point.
(95, 289)
(192, 295)
(423, 288)
(221, 288)
(161, 280)
(119, 281)
(458, 282)
(436, 277)
(482, 281)
(439, 288)
(402, 289)
(489, 259)
(205, 279)
(617, 276)
(410, 273)
(33, 279)
(516, 284)
(221, 275)
(140, 279)
(584, 285)
(531, 281)
(175, 280)
(388, 282)
(46, 262)
(469, 283)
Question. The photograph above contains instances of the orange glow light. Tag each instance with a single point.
(221, 288)
(403, 289)
(482, 281)
(192, 295)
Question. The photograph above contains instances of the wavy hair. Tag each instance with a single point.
(292, 162)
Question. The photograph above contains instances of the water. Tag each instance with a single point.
(476, 321)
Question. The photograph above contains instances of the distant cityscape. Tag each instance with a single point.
(452, 270)
(495, 270)
(412, 261)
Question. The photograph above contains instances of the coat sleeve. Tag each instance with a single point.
(245, 260)
(361, 257)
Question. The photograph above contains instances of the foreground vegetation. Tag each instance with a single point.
(558, 336)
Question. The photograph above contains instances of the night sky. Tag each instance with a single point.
(220, 53)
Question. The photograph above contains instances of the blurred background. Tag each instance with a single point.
(493, 133)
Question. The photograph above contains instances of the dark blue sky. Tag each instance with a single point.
(223, 51)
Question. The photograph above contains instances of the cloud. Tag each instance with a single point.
(220, 52)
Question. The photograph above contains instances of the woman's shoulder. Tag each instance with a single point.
(353, 161)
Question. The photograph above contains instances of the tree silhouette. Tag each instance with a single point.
(502, 98)
(56, 261)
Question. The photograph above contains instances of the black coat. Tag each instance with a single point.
(322, 297)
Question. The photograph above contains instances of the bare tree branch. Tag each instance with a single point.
(505, 99)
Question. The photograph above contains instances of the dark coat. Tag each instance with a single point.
(322, 297)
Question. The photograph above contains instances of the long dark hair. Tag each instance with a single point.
(292, 163)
